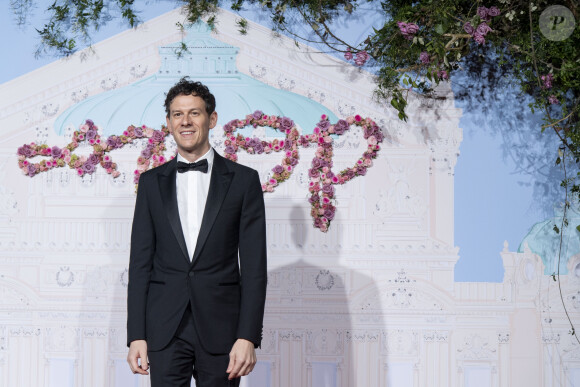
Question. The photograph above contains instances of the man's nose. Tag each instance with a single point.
(186, 119)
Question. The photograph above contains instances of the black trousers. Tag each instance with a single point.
(184, 358)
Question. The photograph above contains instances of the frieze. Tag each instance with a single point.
(95, 332)
(290, 334)
(65, 277)
(62, 338)
(436, 336)
(476, 347)
(400, 342)
(316, 95)
(109, 83)
(324, 342)
(503, 337)
(269, 342)
(49, 109)
(138, 71)
(79, 94)
(550, 338)
(363, 336)
(24, 331)
(257, 71)
(286, 83)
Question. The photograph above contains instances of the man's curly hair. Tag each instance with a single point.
(187, 87)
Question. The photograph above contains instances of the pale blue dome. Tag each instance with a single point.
(545, 242)
(209, 61)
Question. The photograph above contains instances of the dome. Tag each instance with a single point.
(209, 61)
(545, 242)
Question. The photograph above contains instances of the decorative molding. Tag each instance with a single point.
(476, 347)
(324, 342)
(436, 336)
(400, 342)
(503, 337)
(62, 339)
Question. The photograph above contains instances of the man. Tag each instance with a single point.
(197, 271)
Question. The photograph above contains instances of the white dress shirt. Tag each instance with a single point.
(192, 189)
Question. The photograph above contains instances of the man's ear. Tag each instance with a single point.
(213, 120)
(168, 125)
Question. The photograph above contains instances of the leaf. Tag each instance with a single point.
(578, 228)
(556, 229)
(439, 29)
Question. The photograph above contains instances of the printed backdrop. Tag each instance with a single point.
(369, 301)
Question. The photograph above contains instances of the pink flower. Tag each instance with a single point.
(482, 12)
(80, 171)
(357, 118)
(348, 54)
(483, 29)
(479, 39)
(361, 58)
(372, 140)
(467, 27)
(424, 57)
(493, 11)
(547, 80)
(84, 128)
(441, 74)
(553, 100)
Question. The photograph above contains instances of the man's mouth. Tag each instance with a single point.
(187, 133)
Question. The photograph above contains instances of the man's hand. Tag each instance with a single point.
(242, 359)
(138, 350)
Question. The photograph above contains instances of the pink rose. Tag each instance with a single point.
(84, 128)
(372, 140)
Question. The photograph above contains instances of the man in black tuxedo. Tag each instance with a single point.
(197, 271)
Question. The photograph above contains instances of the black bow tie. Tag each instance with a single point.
(201, 166)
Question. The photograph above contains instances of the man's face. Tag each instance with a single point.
(189, 124)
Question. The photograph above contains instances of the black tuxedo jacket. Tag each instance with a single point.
(227, 295)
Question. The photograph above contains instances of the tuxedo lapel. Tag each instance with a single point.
(167, 186)
(221, 179)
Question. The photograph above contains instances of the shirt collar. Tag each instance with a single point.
(209, 156)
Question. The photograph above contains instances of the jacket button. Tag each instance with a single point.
(190, 274)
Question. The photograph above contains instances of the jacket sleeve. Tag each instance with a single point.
(253, 266)
(140, 264)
